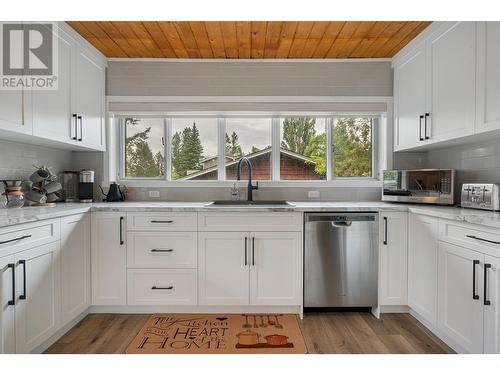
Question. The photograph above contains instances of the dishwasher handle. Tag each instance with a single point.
(341, 224)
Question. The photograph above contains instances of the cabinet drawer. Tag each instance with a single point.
(474, 237)
(248, 221)
(162, 221)
(161, 287)
(21, 237)
(161, 250)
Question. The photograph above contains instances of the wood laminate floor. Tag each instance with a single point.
(329, 333)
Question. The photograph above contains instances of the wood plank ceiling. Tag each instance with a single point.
(249, 40)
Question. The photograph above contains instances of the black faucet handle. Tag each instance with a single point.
(256, 186)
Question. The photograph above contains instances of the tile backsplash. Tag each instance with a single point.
(17, 160)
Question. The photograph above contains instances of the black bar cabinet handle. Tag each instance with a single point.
(482, 239)
(246, 251)
(162, 221)
(121, 230)
(76, 127)
(23, 296)
(80, 119)
(474, 264)
(425, 126)
(486, 301)
(16, 239)
(12, 302)
(385, 230)
(162, 250)
(162, 287)
(253, 251)
(420, 127)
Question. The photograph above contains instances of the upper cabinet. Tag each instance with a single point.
(488, 77)
(435, 86)
(71, 116)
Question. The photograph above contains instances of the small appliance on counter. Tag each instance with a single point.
(69, 182)
(481, 196)
(430, 186)
(115, 193)
(86, 186)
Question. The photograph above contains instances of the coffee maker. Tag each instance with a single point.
(86, 187)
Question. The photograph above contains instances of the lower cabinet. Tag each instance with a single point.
(393, 258)
(460, 291)
(7, 307)
(257, 268)
(423, 265)
(37, 309)
(109, 258)
(491, 301)
(75, 266)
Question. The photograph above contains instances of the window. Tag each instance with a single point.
(194, 149)
(144, 150)
(303, 148)
(292, 148)
(352, 147)
(249, 137)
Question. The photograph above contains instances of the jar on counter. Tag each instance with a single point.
(12, 197)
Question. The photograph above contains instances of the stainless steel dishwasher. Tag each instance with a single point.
(341, 260)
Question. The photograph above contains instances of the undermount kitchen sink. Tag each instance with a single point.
(250, 203)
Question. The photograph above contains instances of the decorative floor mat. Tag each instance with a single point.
(219, 334)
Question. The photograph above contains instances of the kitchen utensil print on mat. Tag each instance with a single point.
(251, 339)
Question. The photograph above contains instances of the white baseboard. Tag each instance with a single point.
(60, 333)
(396, 309)
(103, 309)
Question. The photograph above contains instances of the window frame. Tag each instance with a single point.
(330, 180)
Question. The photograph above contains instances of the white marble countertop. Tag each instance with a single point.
(10, 217)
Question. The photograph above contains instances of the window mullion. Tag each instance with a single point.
(221, 148)
(168, 142)
(275, 143)
(329, 148)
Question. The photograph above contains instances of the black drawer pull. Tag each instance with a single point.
(23, 296)
(12, 302)
(486, 301)
(385, 230)
(162, 287)
(16, 239)
(420, 128)
(162, 250)
(482, 239)
(162, 221)
(425, 126)
(121, 230)
(474, 264)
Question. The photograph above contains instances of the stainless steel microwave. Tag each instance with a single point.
(431, 186)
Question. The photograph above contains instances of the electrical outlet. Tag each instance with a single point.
(154, 194)
(314, 194)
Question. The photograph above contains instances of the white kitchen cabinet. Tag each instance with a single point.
(89, 96)
(75, 266)
(257, 268)
(491, 301)
(109, 258)
(223, 273)
(275, 268)
(52, 109)
(451, 82)
(15, 111)
(7, 306)
(435, 87)
(422, 265)
(38, 290)
(460, 288)
(488, 77)
(409, 99)
(393, 258)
